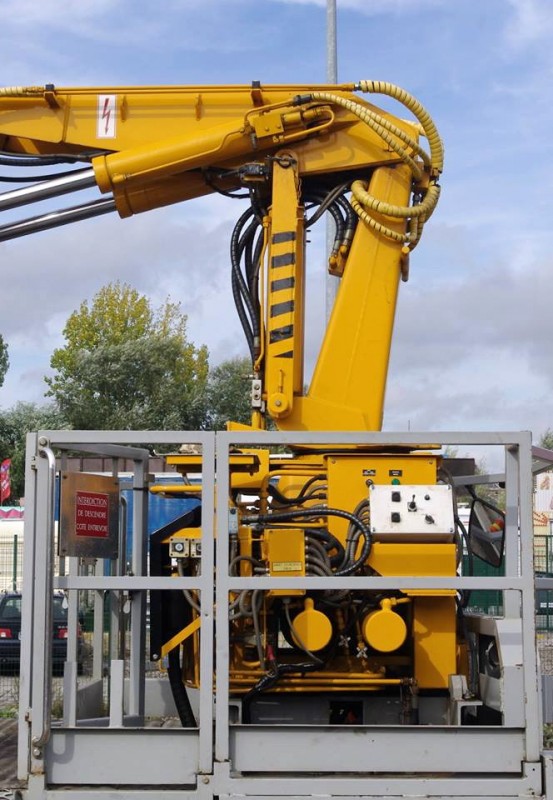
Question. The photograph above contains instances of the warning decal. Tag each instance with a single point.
(105, 128)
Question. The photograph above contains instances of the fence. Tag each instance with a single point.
(11, 555)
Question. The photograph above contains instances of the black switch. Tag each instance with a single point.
(396, 497)
(396, 516)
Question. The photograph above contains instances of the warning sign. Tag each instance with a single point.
(92, 514)
(89, 515)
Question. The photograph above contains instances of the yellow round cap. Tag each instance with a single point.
(311, 628)
(384, 629)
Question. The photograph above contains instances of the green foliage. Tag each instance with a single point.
(126, 365)
(229, 393)
(547, 729)
(546, 439)
(4, 359)
(15, 424)
(492, 493)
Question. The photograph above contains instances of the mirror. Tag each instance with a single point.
(487, 532)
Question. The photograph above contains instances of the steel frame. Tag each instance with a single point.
(228, 760)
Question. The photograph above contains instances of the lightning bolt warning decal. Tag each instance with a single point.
(105, 127)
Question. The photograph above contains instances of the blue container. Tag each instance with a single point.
(161, 510)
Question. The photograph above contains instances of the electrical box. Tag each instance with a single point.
(412, 513)
(285, 552)
(186, 543)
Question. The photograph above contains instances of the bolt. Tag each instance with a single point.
(37, 752)
(43, 441)
(205, 779)
(155, 656)
(278, 403)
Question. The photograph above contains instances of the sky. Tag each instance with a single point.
(472, 346)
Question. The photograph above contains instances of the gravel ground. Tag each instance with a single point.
(8, 754)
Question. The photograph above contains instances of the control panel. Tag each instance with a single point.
(412, 513)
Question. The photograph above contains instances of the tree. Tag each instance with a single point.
(546, 439)
(4, 360)
(127, 365)
(229, 393)
(15, 423)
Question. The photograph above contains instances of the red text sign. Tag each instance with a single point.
(92, 514)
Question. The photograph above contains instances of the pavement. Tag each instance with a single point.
(8, 756)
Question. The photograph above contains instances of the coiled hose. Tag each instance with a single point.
(365, 204)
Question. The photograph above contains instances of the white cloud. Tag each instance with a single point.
(472, 344)
(49, 12)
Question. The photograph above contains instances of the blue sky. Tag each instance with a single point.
(474, 324)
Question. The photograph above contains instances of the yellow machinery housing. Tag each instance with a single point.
(296, 153)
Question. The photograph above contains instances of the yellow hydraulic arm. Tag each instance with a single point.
(291, 150)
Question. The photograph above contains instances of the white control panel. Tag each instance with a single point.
(404, 513)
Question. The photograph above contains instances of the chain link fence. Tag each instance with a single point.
(11, 555)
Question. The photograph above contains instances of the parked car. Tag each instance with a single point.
(10, 634)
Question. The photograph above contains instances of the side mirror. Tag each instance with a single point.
(486, 533)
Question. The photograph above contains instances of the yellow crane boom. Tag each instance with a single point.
(289, 148)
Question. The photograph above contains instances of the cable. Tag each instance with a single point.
(296, 636)
(37, 178)
(242, 300)
(9, 160)
(315, 548)
(257, 602)
(249, 559)
(187, 594)
(331, 542)
(178, 689)
(225, 192)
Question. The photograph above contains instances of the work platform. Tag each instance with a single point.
(104, 742)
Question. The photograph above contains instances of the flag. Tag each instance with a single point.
(5, 486)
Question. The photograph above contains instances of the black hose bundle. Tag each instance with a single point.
(246, 249)
(247, 244)
(178, 689)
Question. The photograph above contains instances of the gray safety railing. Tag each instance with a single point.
(61, 753)
(223, 758)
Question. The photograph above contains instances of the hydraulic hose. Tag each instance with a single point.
(242, 299)
(7, 160)
(428, 168)
(416, 108)
(178, 689)
(331, 542)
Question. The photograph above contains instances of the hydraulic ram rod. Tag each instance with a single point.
(55, 219)
(80, 179)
